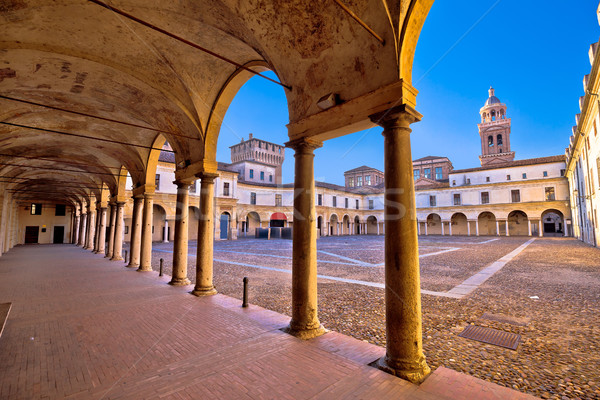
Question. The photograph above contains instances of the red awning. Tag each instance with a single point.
(279, 215)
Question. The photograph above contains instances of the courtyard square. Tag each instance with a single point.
(549, 293)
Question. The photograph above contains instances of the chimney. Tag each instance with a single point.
(250, 137)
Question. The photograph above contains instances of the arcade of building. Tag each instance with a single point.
(90, 94)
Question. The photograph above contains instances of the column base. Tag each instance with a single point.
(116, 258)
(88, 248)
(133, 265)
(180, 282)
(414, 372)
(305, 334)
(144, 269)
(208, 291)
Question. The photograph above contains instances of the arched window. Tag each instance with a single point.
(493, 115)
(499, 140)
(490, 141)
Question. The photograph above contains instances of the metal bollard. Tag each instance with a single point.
(125, 258)
(245, 299)
(161, 267)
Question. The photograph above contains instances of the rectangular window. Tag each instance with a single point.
(487, 178)
(36, 209)
(456, 199)
(157, 181)
(262, 175)
(550, 194)
(278, 202)
(508, 177)
(251, 173)
(270, 178)
(438, 173)
(432, 202)
(225, 188)
(351, 182)
(371, 204)
(346, 203)
(545, 174)
(427, 173)
(359, 181)
(61, 210)
(453, 182)
(562, 172)
(485, 197)
(320, 199)
(334, 201)
(468, 181)
(357, 204)
(252, 198)
(416, 174)
(524, 176)
(126, 229)
(368, 180)
(515, 196)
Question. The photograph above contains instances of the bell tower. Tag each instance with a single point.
(494, 131)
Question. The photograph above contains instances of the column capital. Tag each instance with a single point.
(396, 117)
(143, 189)
(138, 197)
(184, 183)
(120, 203)
(208, 177)
(304, 145)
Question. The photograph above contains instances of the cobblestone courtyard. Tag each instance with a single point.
(549, 293)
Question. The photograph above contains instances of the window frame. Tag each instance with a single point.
(516, 192)
(253, 198)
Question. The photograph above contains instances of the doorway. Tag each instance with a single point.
(59, 234)
(32, 234)
(224, 225)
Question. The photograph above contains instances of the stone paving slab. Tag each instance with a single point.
(84, 327)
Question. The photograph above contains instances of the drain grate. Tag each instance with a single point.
(491, 336)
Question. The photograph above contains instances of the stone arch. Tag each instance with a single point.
(459, 224)
(553, 223)
(372, 225)
(346, 224)
(334, 225)
(252, 222)
(486, 222)
(152, 162)
(499, 140)
(518, 223)
(320, 225)
(434, 224)
(159, 215)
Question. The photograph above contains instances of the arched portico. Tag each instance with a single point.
(159, 218)
(357, 229)
(486, 224)
(334, 225)
(553, 223)
(518, 223)
(346, 225)
(252, 222)
(459, 224)
(372, 225)
(434, 224)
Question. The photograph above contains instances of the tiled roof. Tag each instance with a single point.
(362, 168)
(517, 163)
(429, 158)
(166, 156)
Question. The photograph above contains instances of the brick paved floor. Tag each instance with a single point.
(83, 327)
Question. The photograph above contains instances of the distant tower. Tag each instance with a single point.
(494, 131)
(258, 160)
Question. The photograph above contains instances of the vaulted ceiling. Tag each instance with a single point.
(86, 87)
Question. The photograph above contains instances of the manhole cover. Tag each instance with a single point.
(491, 336)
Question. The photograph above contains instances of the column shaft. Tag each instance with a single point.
(305, 322)
(146, 248)
(135, 243)
(206, 231)
(506, 225)
(97, 229)
(111, 231)
(180, 245)
(541, 228)
(81, 241)
(102, 231)
(404, 348)
(166, 232)
(91, 230)
(118, 243)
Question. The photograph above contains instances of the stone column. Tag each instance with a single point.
(442, 227)
(418, 228)
(91, 230)
(180, 245)
(135, 243)
(101, 231)
(468, 228)
(450, 227)
(404, 348)
(118, 244)
(146, 248)
(111, 231)
(166, 232)
(497, 228)
(76, 229)
(204, 258)
(81, 241)
(426, 234)
(477, 227)
(541, 234)
(378, 227)
(305, 322)
(506, 225)
(528, 227)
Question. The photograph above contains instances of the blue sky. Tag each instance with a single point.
(534, 53)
